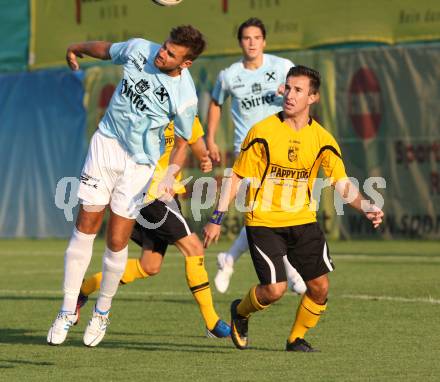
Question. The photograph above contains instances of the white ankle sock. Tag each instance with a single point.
(113, 266)
(76, 260)
(291, 272)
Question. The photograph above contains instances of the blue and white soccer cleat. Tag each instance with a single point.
(58, 331)
(96, 328)
(221, 330)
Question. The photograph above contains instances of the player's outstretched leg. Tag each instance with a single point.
(198, 283)
(307, 317)
(226, 260)
(113, 269)
(240, 313)
(76, 260)
(133, 271)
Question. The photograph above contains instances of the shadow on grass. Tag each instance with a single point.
(214, 346)
(147, 299)
(20, 336)
(167, 347)
(23, 362)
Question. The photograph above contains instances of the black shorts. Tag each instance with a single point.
(158, 225)
(304, 245)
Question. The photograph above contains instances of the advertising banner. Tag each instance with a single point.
(14, 32)
(290, 24)
(388, 125)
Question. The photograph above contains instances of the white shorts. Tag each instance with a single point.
(110, 176)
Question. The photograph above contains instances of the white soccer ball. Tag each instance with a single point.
(166, 3)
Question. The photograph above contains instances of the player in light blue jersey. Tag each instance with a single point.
(155, 89)
(254, 85)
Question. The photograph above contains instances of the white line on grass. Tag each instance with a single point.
(15, 292)
(389, 258)
(428, 300)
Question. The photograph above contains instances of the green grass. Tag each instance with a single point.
(382, 322)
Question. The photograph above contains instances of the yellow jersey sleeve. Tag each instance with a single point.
(332, 162)
(197, 131)
(252, 152)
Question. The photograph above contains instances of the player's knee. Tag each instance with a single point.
(150, 269)
(273, 292)
(116, 243)
(89, 219)
(191, 246)
(89, 226)
(318, 292)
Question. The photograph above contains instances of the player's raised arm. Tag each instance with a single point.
(350, 193)
(214, 114)
(95, 49)
(211, 231)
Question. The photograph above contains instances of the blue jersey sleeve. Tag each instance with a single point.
(120, 51)
(184, 120)
(220, 91)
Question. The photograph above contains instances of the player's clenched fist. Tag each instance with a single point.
(71, 57)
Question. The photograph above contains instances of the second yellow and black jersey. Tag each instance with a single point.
(283, 164)
(164, 160)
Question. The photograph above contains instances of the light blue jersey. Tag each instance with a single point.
(253, 92)
(146, 100)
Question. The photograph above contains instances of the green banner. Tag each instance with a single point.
(387, 117)
(290, 23)
(14, 32)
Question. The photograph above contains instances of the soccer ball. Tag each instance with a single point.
(167, 3)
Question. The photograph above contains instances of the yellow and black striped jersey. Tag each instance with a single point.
(283, 164)
(164, 160)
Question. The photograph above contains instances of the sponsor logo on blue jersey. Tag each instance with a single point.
(133, 96)
(249, 103)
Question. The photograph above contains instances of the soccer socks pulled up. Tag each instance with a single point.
(250, 304)
(133, 271)
(76, 260)
(239, 247)
(113, 269)
(307, 316)
(198, 283)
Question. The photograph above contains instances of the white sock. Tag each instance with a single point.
(113, 266)
(76, 260)
(291, 272)
(239, 247)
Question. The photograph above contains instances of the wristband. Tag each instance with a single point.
(217, 217)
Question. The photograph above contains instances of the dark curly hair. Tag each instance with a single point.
(190, 37)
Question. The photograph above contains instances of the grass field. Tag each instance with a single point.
(382, 323)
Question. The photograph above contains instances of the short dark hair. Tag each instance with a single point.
(312, 74)
(190, 37)
(252, 22)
